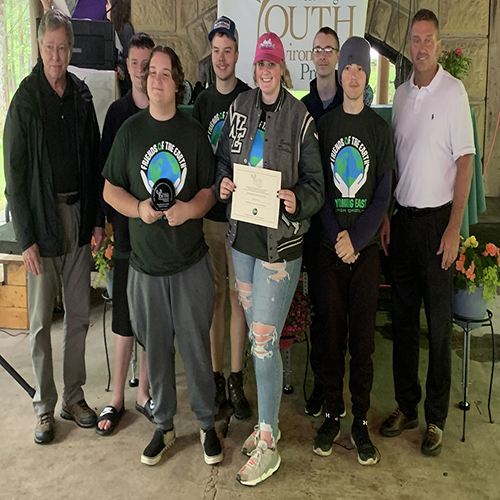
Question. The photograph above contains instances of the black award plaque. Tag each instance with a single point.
(163, 195)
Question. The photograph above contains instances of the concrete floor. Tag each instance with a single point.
(80, 464)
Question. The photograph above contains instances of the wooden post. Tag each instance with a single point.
(382, 96)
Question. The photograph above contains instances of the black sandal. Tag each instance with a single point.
(146, 410)
(113, 415)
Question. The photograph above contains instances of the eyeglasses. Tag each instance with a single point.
(327, 50)
(61, 50)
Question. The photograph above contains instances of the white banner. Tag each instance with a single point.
(295, 22)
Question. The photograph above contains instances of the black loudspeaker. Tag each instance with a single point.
(94, 44)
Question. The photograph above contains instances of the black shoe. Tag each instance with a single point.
(367, 453)
(220, 389)
(161, 442)
(314, 405)
(211, 446)
(326, 436)
(237, 399)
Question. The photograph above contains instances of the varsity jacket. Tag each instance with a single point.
(291, 147)
(28, 173)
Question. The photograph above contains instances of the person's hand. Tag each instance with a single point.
(120, 73)
(178, 214)
(227, 187)
(147, 213)
(385, 234)
(450, 241)
(32, 260)
(344, 248)
(352, 259)
(47, 5)
(99, 235)
(288, 197)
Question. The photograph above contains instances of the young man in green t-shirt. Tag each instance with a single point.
(210, 110)
(170, 284)
(356, 150)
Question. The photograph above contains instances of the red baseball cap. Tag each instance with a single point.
(269, 48)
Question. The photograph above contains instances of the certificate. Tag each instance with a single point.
(255, 199)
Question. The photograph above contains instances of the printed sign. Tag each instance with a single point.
(295, 22)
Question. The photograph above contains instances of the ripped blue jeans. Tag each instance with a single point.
(265, 291)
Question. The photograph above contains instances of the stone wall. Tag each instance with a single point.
(464, 23)
(181, 24)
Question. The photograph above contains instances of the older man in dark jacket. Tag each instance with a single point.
(51, 145)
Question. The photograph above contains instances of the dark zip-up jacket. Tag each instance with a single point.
(314, 103)
(28, 173)
(291, 147)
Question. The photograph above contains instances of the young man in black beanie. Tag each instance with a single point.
(357, 158)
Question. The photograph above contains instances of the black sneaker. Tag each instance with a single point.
(326, 436)
(161, 442)
(211, 446)
(237, 399)
(220, 389)
(314, 405)
(367, 453)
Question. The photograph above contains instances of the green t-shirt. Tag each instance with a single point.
(355, 149)
(210, 109)
(145, 150)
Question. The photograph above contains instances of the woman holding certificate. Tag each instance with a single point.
(269, 172)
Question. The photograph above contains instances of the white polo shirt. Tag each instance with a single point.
(432, 128)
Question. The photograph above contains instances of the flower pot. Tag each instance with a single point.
(470, 305)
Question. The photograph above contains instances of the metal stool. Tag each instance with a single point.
(464, 405)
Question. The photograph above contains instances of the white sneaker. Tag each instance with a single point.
(263, 463)
(251, 441)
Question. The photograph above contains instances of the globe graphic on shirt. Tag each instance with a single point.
(164, 166)
(349, 165)
(257, 151)
(216, 132)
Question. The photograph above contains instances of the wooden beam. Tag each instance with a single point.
(382, 95)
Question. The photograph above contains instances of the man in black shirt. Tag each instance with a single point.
(325, 95)
(140, 49)
(356, 151)
(51, 145)
(210, 110)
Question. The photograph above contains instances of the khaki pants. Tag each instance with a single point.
(73, 270)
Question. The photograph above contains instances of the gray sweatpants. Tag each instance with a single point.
(73, 270)
(180, 305)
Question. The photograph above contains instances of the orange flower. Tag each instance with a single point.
(491, 249)
(460, 263)
(109, 252)
(470, 272)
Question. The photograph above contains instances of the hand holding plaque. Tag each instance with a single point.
(163, 195)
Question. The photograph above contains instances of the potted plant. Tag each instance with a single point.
(455, 62)
(103, 259)
(476, 277)
(299, 319)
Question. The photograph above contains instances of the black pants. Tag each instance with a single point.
(417, 274)
(345, 299)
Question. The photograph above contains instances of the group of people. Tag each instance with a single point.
(173, 266)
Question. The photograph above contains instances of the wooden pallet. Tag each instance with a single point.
(13, 293)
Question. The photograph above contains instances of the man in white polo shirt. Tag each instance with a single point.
(434, 148)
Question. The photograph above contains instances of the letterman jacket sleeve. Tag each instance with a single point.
(310, 189)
